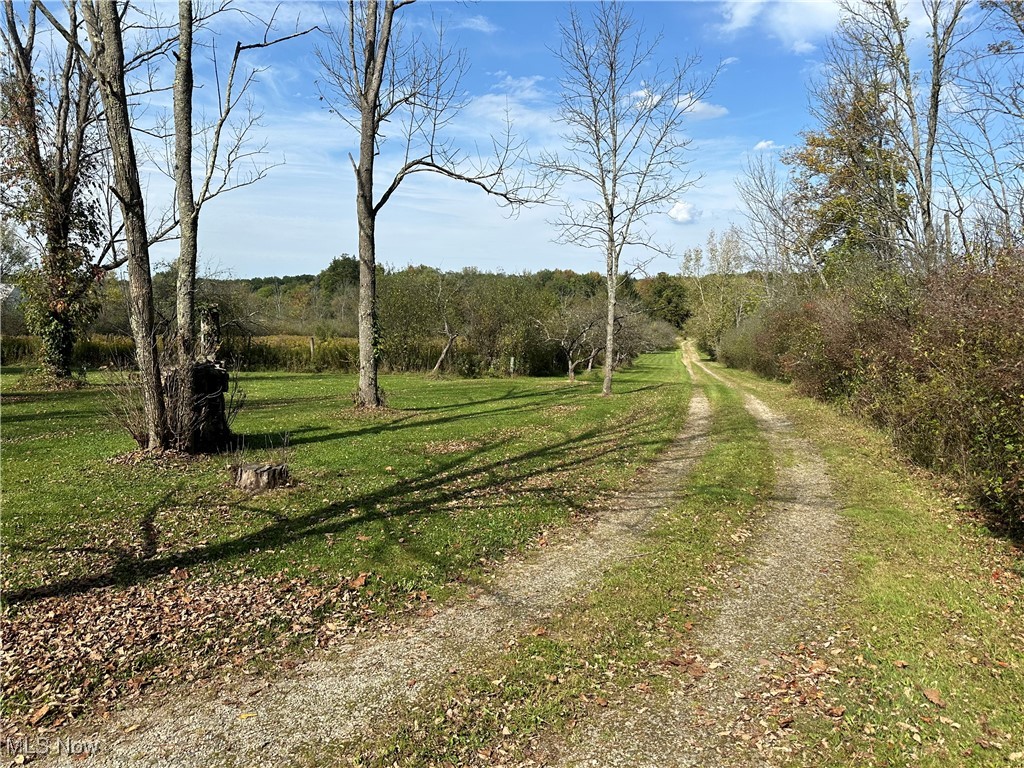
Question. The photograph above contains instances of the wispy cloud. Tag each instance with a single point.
(800, 27)
(766, 145)
(526, 88)
(476, 24)
(740, 14)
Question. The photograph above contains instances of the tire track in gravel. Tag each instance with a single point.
(331, 697)
(785, 592)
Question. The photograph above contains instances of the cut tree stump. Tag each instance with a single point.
(260, 477)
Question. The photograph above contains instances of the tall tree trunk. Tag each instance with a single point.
(609, 344)
(368, 395)
(611, 279)
(104, 27)
(182, 409)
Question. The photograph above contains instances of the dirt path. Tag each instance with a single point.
(781, 596)
(330, 697)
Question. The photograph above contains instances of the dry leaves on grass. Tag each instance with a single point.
(442, 448)
(66, 655)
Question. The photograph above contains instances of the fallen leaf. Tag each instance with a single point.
(539, 631)
(358, 581)
(900, 664)
(934, 697)
(39, 714)
(697, 669)
(246, 715)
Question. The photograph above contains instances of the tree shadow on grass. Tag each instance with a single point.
(431, 491)
(407, 420)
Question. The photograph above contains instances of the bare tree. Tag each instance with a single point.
(108, 64)
(220, 174)
(776, 229)
(985, 137)
(387, 84)
(450, 315)
(623, 116)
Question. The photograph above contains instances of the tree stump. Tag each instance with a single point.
(260, 477)
(207, 416)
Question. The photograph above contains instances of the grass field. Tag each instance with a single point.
(388, 506)
(122, 577)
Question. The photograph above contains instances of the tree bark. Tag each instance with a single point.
(103, 24)
(188, 214)
(260, 477)
(609, 343)
(368, 395)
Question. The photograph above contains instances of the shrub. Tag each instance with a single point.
(938, 363)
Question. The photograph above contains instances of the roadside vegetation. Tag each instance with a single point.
(927, 664)
(463, 323)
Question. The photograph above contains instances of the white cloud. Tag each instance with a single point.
(702, 110)
(802, 47)
(766, 145)
(730, 60)
(684, 212)
(522, 88)
(740, 14)
(799, 26)
(477, 24)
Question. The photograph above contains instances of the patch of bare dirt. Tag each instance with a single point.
(763, 657)
(270, 721)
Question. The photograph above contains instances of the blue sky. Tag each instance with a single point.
(302, 214)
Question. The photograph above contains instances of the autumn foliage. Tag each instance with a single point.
(938, 361)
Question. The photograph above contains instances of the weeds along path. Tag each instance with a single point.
(331, 697)
(782, 596)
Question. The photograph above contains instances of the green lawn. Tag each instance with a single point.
(454, 474)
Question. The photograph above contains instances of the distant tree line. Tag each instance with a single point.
(467, 322)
